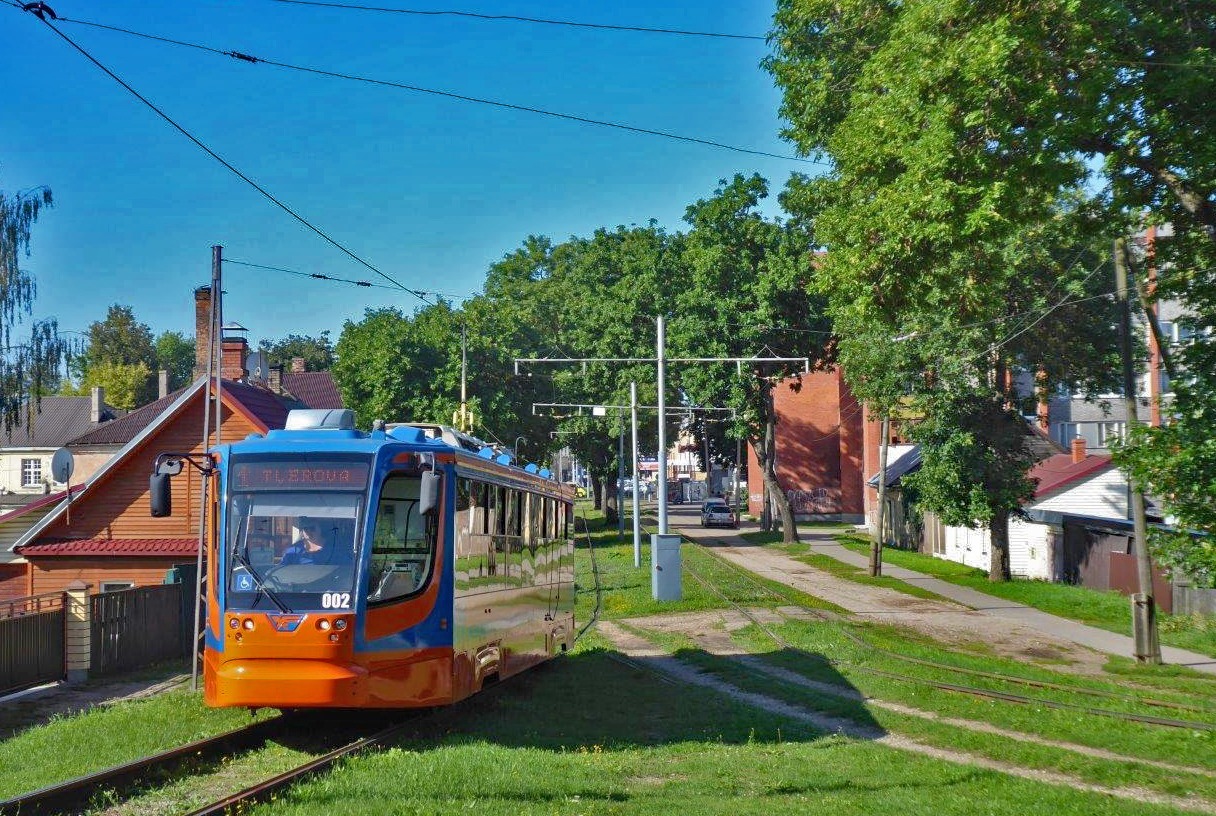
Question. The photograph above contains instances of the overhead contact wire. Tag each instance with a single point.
(265, 193)
(386, 83)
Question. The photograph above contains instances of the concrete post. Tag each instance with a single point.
(77, 641)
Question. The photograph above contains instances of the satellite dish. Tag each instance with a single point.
(62, 464)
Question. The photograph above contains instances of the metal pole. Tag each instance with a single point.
(1144, 613)
(879, 539)
(708, 467)
(620, 478)
(199, 581)
(637, 514)
(660, 353)
(738, 466)
(465, 425)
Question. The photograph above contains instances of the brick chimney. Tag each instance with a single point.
(202, 329)
(235, 350)
(1078, 449)
(274, 379)
(297, 365)
(162, 384)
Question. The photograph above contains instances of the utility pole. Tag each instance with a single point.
(661, 359)
(462, 419)
(1144, 613)
(200, 585)
(876, 544)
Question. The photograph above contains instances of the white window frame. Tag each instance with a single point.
(31, 472)
(116, 586)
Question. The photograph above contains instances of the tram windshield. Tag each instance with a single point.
(288, 544)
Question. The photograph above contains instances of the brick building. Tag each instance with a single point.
(821, 431)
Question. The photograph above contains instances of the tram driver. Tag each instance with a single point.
(316, 545)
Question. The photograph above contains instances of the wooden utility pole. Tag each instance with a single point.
(1144, 614)
(876, 544)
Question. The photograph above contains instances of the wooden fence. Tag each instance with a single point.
(136, 627)
(32, 641)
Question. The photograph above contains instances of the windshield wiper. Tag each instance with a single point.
(258, 582)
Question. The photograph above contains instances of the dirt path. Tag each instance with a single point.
(19, 712)
(644, 652)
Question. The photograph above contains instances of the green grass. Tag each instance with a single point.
(627, 590)
(72, 746)
(802, 552)
(1107, 610)
(589, 735)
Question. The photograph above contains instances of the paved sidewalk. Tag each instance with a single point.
(1091, 636)
(1016, 614)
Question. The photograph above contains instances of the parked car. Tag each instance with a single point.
(717, 513)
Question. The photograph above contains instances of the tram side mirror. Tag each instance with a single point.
(161, 495)
(428, 492)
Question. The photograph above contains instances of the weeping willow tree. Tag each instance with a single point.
(29, 366)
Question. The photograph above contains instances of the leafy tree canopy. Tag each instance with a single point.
(125, 384)
(175, 354)
(317, 352)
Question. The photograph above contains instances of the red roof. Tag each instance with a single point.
(262, 403)
(120, 547)
(41, 501)
(316, 389)
(1060, 471)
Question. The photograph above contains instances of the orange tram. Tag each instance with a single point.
(405, 567)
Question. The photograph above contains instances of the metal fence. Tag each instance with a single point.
(32, 641)
(135, 627)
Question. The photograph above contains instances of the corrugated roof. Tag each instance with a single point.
(1060, 471)
(124, 429)
(907, 461)
(118, 547)
(57, 421)
(316, 389)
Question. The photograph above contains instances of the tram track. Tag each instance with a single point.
(1005, 696)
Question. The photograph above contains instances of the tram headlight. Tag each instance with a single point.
(323, 624)
(233, 623)
(340, 624)
(248, 624)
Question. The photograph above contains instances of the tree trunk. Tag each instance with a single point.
(772, 488)
(998, 535)
(611, 502)
(597, 496)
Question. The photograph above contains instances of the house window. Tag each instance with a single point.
(31, 472)
(116, 586)
(1103, 434)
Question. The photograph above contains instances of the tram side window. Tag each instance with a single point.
(403, 545)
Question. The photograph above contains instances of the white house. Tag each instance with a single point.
(1075, 483)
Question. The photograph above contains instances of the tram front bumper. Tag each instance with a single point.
(285, 683)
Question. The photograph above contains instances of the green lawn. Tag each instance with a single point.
(826, 563)
(1107, 610)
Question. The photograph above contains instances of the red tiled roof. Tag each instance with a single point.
(316, 389)
(41, 501)
(119, 547)
(1060, 471)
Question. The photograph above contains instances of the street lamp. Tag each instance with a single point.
(515, 447)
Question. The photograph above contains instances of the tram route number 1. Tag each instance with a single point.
(335, 600)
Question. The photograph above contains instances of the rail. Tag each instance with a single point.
(31, 605)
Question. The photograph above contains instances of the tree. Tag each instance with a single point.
(746, 296)
(317, 352)
(117, 349)
(27, 369)
(958, 197)
(125, 384)
(175, 354)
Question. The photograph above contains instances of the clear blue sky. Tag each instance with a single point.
(430, 190)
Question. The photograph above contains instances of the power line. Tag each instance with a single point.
(517, 19)
(570, 117)
(320, 276)
(269, 196)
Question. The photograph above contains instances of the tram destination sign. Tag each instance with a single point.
(295, 475)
